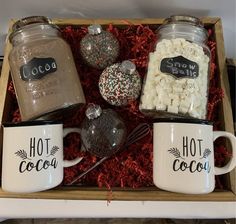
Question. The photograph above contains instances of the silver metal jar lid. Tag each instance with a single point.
(30, 20)
(185, 24)
(184, 19)
(20, 24)
(94, 29)
(128, 67)
(93, 111)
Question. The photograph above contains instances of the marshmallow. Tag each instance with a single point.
(172, 109)
(160, 106)
(183, 110)
(165, 92)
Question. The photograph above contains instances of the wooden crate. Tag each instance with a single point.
(151, 193)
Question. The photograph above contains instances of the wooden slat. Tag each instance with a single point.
(4, 80)
(103, 21)
(151, 21)
(138, 195)
(224, 83)
(106, 21)
(3, 89)
(5, 75)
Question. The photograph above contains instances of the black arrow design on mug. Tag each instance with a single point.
(175, 152)
(53, 150)
(206, 153)
(22, 154)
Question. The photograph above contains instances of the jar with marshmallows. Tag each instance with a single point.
(176, 83)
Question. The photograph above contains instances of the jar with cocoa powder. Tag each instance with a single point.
(42, 68)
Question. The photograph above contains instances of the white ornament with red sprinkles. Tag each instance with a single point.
(120, 83)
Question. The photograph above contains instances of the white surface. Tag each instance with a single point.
(122, 9)
(25, 208)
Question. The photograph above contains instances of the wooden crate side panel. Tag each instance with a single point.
(118, 22)
(224, 82)
(4, 97)
(151, 21)
(75, 193)
(138, 195)
(4, 80)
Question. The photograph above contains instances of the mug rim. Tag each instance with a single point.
(30, 123)
(182, 120)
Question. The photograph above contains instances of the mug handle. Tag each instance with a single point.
(68, 163)
(232, 163)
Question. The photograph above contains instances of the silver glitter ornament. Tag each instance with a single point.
(99, 48)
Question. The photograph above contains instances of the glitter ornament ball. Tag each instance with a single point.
(103, 132)
(120, 83)
(99, 48)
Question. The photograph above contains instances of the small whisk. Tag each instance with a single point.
(137, 133)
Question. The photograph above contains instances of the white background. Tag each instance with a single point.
(226, 9)
(37, 208)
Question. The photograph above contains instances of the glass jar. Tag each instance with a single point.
(176, 83)
(42, 68)
(103, 132)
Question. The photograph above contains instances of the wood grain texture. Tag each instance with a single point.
(133, 195)
(224, 83)
(4, 97)
(118, 221)
(152, 194)
(150, 21)
(4, 80)
(5, 73)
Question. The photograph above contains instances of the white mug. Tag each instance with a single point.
(183, 157)
(32, 158)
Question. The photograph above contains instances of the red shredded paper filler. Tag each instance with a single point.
(133, 166)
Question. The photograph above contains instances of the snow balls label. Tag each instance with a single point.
(37, 68)
(180, 67)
